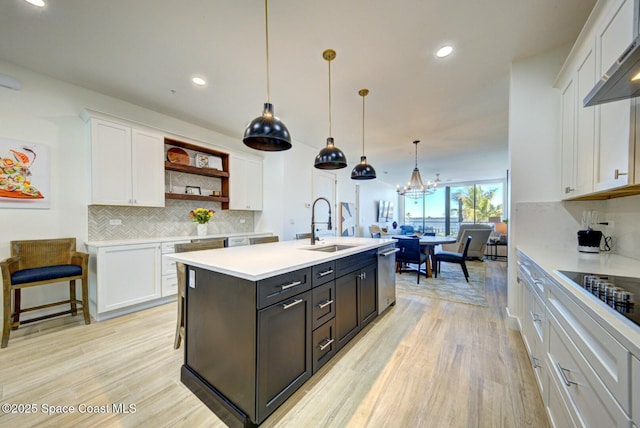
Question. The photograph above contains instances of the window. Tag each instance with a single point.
(443, 211)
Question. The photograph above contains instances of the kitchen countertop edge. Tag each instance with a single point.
(553, 261)
(134, 241)
(267, 260)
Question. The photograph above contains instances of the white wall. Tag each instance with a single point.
(47, 111)
(534, 147)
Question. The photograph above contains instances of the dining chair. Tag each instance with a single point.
(451, 257)
(41, 262)
(181, 270)
(303, 235)
(410, 253)
(263, 240)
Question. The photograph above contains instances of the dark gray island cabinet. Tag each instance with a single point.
(251, 344)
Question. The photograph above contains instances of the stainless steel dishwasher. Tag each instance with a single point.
(386, 276)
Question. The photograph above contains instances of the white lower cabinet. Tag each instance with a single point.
(635, 390)
(588, 401)
(583, 372)
(122, 278)
(169, 274)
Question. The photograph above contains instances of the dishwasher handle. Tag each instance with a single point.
(388, 253)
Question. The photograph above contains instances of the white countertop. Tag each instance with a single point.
(553, 261)
(115, 242)
(256, 262)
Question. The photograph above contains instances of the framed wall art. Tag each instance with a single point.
(24, 175)
(347, 219)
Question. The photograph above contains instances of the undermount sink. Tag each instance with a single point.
(331, 248)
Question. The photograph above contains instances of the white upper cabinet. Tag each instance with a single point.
(127, 165)
(597, 142)
(613, 36)
(585, 124)
(568, 110)
(245, 183)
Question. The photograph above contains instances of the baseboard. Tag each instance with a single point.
(512, 321)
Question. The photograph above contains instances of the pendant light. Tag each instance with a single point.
(267, 133)
(330, 157)
(415, 189)
(363, 171)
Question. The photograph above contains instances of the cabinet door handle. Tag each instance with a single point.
(534, 362)
(325, 273)
(535, 317)
(563, 373)
(293, 284)
(568, 189)
(325, 304)
(326, 343)
(617, 174)
(292, 304)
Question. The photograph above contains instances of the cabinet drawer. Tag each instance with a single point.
(557, 410)
(277, 288)
(608, 358)
(324, 345)
(355, 262)
(168, 266)
(529, 272)
(587, 398)
(238, 241)
(635, 390)
(170, 247)
(323, 273)
(324, 307)
(169, 285)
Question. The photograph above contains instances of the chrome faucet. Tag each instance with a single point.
(313, 219)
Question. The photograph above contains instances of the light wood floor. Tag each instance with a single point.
(425, 363)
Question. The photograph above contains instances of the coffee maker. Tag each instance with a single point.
(589, 241)
(588, 238)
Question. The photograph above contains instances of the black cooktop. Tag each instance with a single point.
(618, 292)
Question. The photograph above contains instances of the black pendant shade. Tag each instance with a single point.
(267, 133)
(330, 157)
(363, 171)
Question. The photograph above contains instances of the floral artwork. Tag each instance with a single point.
(24, 175)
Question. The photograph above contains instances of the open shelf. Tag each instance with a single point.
(182, 196)
(209, 172)
(223, 174)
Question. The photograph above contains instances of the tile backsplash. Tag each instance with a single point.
(555, 224)
(172, 220)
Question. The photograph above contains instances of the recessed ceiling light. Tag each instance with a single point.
(199, 81)
(39, 3)
(444, 51)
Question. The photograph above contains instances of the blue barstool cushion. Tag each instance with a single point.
(45, 273)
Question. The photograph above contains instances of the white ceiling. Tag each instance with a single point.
(146, 51)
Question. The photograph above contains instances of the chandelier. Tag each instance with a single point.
(416, 188)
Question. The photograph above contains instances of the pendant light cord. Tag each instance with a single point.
(329, 61)
(363, 125)
(266, 26)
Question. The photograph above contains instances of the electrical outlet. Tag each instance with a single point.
(115, 222)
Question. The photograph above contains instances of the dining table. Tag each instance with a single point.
(428, 245)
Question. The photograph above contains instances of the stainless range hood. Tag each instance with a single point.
(617, 83)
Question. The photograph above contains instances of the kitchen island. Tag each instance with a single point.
(260, 320)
